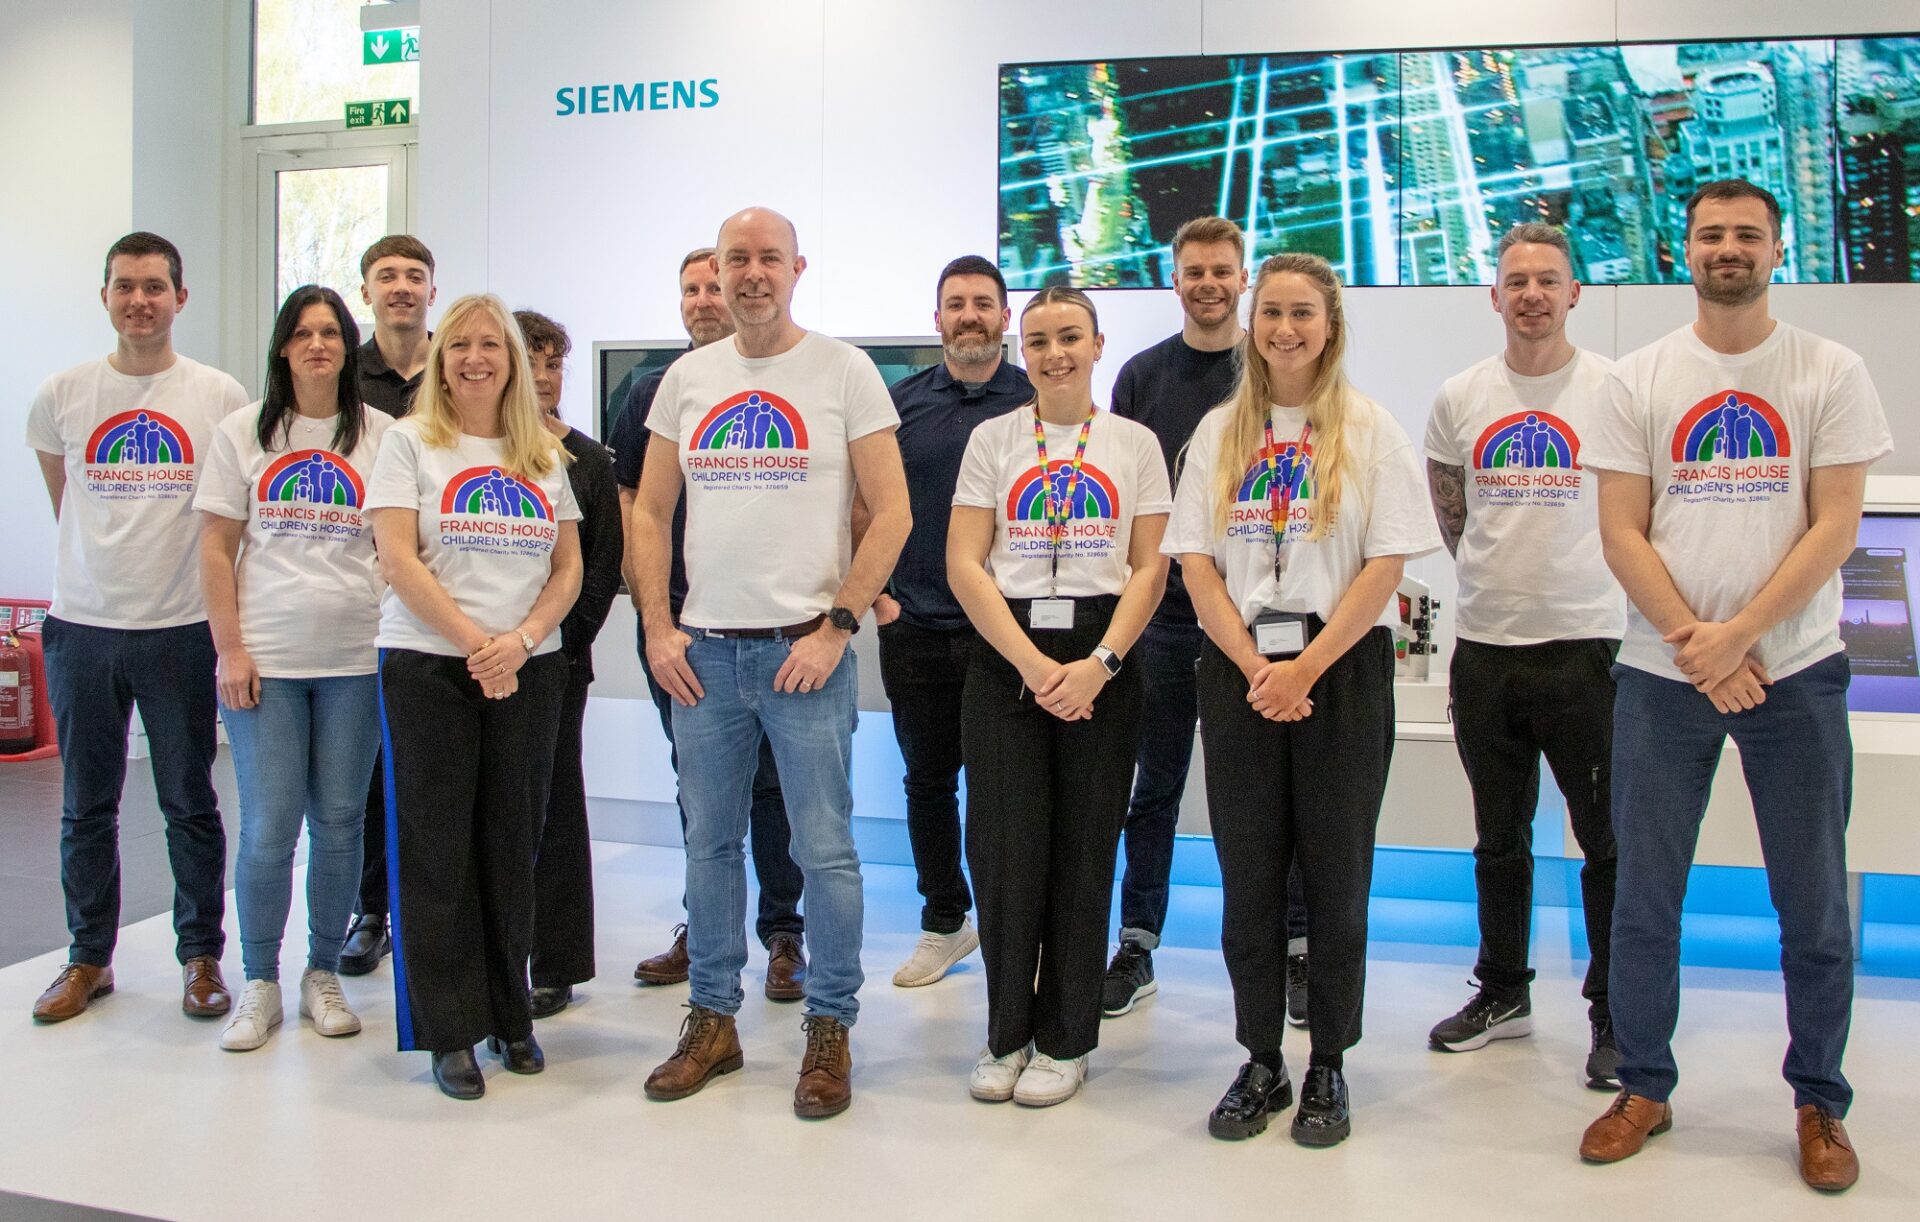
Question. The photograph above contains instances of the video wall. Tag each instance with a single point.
(1404, 168)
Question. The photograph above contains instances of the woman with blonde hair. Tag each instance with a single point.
(476, 527)
(1300, 503)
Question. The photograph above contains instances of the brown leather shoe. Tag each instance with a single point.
(786, 968)
(1827, 1160)
(1625, 1128)
(72, 990)
(709, 1047)
(668, 967)
(205, 993)
(826, 1072)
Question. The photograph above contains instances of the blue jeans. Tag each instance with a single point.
(95, 678)
(718, 739)
(1798, 759)
(304, 753)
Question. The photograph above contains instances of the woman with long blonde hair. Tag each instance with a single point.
(1300, 503)
(476, 527)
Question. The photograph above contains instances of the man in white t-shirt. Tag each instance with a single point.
(770, 433)
(1539, 623)
(1733, 458)
(120, 442)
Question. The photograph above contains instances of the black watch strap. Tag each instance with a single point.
(843, 619)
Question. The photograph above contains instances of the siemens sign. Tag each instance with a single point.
(642, 95)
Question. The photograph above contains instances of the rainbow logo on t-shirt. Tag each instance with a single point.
(491, 492)
(1094, 496)
(1294, 469)
(1729, 426)
(145, 438)
(318, 477)
(750, 420)
(1532, 440)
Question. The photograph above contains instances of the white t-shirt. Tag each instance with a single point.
(1676, 410)
(1122, 477)
(1384, 511)
(769, 484)
(1530, 564)
(309, 582)
(486, 535)
(133, 448)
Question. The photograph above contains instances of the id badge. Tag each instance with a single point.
(1050, 613)
(1279, 634)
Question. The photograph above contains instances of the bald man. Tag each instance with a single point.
(775, 589)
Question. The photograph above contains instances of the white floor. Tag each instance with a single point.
(133, 1107)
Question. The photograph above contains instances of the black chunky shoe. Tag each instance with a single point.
(519, 1056)
(458, 1074)
(1257, 1092)
(1322, 1118)
(546, 1002)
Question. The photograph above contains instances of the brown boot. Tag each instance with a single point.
(826, 1072)
(786, 968)
(668, 967)
(1625, 1128)
(1827, 1160)
(71, 991)
(709, 1047)
(204, 993)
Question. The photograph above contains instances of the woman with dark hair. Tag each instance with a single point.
(1053, 550)
(286, 558)
(563, 869)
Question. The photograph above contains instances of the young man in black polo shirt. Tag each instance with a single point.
(925, 638)
(396, 279)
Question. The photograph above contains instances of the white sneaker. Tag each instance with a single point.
(935, 955)
(254, 1017)
(1046, 1081)
(322, 1001)
(994, 1077)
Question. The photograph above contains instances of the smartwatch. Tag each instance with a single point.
(1107, 658)
(845, 620)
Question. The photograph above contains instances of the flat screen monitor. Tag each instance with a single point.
(1876, 614)
(617, 365)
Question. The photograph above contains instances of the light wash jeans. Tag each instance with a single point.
(718, 740)
(305, 752)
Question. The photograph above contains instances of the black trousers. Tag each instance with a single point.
(468, 778)
(1511, 703)
(924, 671)
(373, 852)
(563, 866)
(1306, 792)
(1045, 801)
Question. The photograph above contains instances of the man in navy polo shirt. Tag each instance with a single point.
(924, 635)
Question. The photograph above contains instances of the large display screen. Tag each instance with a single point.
(1406, 167)
(1876, 614)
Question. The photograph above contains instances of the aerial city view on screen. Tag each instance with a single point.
(1406, 167)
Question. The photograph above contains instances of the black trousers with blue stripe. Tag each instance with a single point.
(467, 781)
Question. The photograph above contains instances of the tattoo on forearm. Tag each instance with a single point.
(1448, 488)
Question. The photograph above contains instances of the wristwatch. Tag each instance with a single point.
(526, 639)
(1107, 658)
(843, 619)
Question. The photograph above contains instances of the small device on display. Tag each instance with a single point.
(1413, 646)
(1876, 614)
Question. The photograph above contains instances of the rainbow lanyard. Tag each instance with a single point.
(1059, 511)
(1279, 491)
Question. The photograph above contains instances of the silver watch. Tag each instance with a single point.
(526, 639)
(1107, 658)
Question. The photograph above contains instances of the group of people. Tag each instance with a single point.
(1013, 541)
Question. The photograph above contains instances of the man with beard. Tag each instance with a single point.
(925, 638)
(1739, 640)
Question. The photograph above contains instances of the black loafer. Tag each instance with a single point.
(547, 1002)
(519, 1056)
(1322, 1118)
(1257, 1092)
(367, 944)
(458, 1074)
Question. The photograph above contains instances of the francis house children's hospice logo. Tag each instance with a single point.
(1284, 473)
(752, 440)
(1092, 504)
(1528, 458)
(316, 493)
(1731, 448)
(139, 455)
(484, 509)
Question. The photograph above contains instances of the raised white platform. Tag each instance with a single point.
(133, 1107)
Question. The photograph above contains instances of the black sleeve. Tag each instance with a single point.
(1123, 393)
(629, 438)
(601, 545)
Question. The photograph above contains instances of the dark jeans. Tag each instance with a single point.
(1166, 656)
(1797, 755)
(95, 678)
(1045, 800)
(1511, 703)
(768, 836)
(1305, 792)
(924, 671)
(563, 867)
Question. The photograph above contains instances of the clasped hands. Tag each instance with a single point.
(1717, 659)
(1067, 689)
(1277, 690)
(496, 664)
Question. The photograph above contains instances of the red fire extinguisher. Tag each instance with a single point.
(16, 697)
